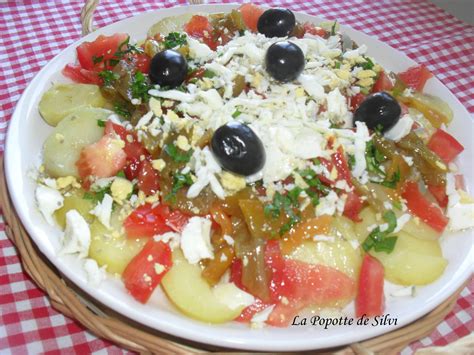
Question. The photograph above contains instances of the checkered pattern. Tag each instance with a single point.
(32, 32)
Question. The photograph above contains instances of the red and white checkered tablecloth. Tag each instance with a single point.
(33, 32)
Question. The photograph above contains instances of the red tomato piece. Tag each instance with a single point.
(147, 221)
(445, 145)
(415, 77)
(79, 75)
(370, 298)
(142, 62)
(419, 206)
(177, 220)
(146, 269)
(383, 83)
(248, 312)
(199, 26)
(102, 159)
(103, 48)
(355, 101)
(147, 178)
(342, 167)
(250, 14)
(236, 273)
(295, 285)
(353, 206)
(314, 30)
(439, 193)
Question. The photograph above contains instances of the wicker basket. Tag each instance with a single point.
(105, 323)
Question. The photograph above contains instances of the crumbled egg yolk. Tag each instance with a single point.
(158, 164)
(155, 107)
(66, 181)
(120, 189)
(232, 182)
(183, 143)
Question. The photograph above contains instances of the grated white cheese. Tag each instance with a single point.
(77, 236)
(196, 240)
(103, 210)
(49, 200)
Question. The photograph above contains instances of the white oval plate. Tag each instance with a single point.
(28, 131)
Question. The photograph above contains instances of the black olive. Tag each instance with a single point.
(168, 68)
(379, 111)
(276, 23)
(284, 61)
(238, 149)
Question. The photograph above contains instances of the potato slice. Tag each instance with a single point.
(413, 261)
(339, 255)
(62, 99)
(368, 219)
(187, 289)
(112, 247)
(75, 201)
(170, 24)
(419, 229)
(62, 148)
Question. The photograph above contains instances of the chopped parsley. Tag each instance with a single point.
(236, 114)
(101, 123)
(108, 77)
(393, 181)
(374, 158)
(368, 64)
(380, 241)
(123, 49)
(97, 60)
(177, 155)
(290, 224)
(209, 74)
(351, 161)
(285, 203)
(309, 176)
(97, 195)
(333, 28)
(337, 65)
(140, 87)
(121, 110)
(179, 181)
(397, 204)
(175, 39)
(121, 174)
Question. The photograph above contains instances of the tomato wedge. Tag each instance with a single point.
(353, 206)
(355, 101)
(370, 298)
(383, 83)
(250, 14)
(147, 178)
(79, 75)
(419, 206)
(295, 285)
(445, 145)
(439, 193)
(415, 77)
(146, 269)
(94, 55)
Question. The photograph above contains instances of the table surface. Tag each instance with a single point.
(33, 32)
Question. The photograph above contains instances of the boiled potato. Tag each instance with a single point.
(368, 219)
(345, 227)
(62, 148)
(419, 229)
(62, 99)
(192, 294)
(339, 255)
(413, 261)
(112, 247)
(170, 24)
(75, 201)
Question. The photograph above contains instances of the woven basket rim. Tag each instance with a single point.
(71, 301)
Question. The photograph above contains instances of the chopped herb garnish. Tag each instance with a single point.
(175, 39)
(368, 64)
(374, 158)
(380, 241)
(179, 181)
(97, 60)
(96, 195)
(351, 161)
(279, 202)
(209, 74)
(333, 28)
(312, 180)
(108, 76)
(393, 181)
(176, 155)
(101, 123)
(337, 65)
(236, 114)
(121, 110)
(293, 195)
(121, 174)
(397, 204)
(290, 224)
(140, 87)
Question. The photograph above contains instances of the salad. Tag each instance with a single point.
(250, 166)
